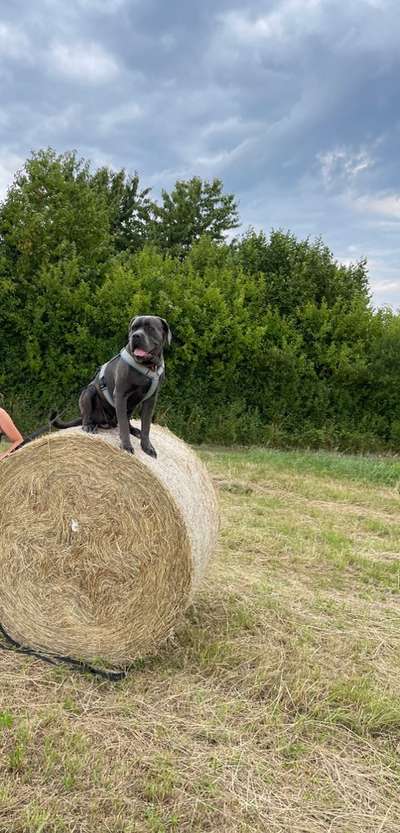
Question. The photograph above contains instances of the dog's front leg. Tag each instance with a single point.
(145, 416)
(87, 409)
(123, 422)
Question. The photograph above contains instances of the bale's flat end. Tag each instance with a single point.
(105, 550)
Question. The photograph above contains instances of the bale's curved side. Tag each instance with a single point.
(105, 549)
(181, 471)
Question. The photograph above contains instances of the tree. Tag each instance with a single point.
(51, 212)
(193, 209)
(130, 209)
(54, 242)
(299, 271)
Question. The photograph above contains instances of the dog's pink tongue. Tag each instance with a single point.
(141, 354)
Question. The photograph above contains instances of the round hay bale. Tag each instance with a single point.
(101, 551)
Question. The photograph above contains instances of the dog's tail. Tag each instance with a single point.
(56, 422)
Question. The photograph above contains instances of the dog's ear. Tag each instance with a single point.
(167, 331)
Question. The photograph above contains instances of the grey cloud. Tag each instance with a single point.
(294, 103)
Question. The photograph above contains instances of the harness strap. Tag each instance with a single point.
(103, 386)
(153, 375)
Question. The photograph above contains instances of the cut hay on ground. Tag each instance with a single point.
(100, 551)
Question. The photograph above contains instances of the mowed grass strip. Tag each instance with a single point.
(275, 708)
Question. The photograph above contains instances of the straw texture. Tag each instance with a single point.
(100, 551)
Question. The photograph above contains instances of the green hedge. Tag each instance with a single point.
(274, 341)
(240, 370)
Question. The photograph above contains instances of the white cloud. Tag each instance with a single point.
(227, 125)
(343, 163)
(76, 7)
(385, 290)
(377, 4)
(168, 41)
(291, 16)
(54, 124)
(118, 116)
(13, 42)
(83, 62)
(10, 163)
(221, 158)
(351, 28)
(103, 6)
(386, 205)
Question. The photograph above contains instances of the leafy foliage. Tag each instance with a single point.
(130, 209)
(274, 341)
(193, 209)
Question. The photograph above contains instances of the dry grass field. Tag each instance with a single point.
(275, 709)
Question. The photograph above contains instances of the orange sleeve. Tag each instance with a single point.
(8, 428)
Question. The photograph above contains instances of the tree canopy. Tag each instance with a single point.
(193, 209)
(274, 340)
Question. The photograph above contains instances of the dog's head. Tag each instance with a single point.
(148, 334)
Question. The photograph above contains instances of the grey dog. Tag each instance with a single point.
(131, 378)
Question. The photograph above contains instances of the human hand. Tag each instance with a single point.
(9, 451)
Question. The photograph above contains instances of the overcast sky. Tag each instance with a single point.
(295, 104)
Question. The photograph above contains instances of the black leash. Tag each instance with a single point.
(111, 676)
(44, 428)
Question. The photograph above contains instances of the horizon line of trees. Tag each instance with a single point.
(274, 340)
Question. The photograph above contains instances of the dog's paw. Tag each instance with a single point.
(90, 428)
(128, 449)
(149, 449)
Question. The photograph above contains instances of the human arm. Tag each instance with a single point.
(8, 428)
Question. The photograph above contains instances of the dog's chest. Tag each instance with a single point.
(138, 394)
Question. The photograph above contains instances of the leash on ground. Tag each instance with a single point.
(84, 667)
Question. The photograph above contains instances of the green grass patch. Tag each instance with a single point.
(361, 706)
(275, 706)
(375, 469)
